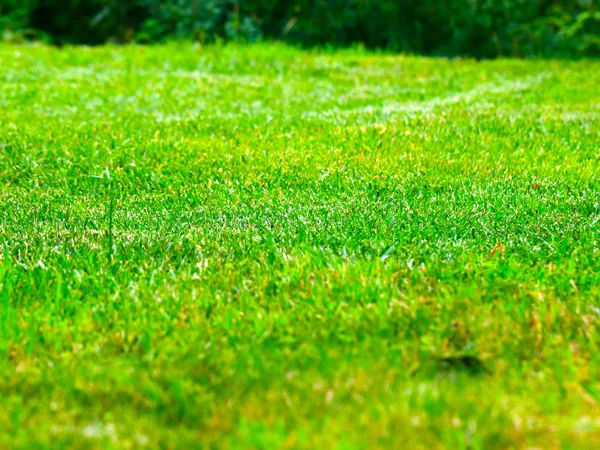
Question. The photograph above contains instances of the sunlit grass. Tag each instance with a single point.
(262, 247)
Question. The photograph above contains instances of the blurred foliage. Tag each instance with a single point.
(480, 28)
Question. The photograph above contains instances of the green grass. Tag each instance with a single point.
(261, 247)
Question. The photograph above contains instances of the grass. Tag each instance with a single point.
(263, 247)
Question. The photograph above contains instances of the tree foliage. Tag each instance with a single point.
(480, 28)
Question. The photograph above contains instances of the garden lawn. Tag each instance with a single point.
(263, 247)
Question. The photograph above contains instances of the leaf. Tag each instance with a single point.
(497, 248)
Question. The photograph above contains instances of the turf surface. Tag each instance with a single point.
(262, 247)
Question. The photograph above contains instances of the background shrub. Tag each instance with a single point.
(480, 28)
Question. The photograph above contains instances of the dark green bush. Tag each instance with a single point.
(480, 28)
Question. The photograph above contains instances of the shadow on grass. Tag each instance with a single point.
(450, 366)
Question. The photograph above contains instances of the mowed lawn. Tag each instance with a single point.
(263, 247)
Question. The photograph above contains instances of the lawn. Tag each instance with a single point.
(264, 247)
